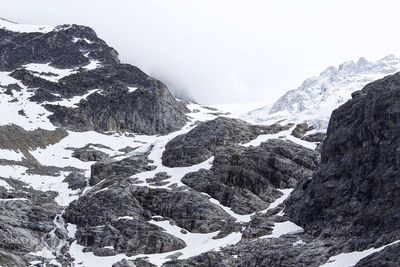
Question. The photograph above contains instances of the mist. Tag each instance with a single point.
(228, 51)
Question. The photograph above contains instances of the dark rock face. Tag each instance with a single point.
(117, 215)
(262, 252)
(301, 132)
(75, 180)
(89, 153)
(119, 169)
(146, 111)
(355, 192)
(114, 217)
(246, 179)
(203, 141)
(26, 215)
(126, 263)
(189, 209)
(57, 47)
(128, 236)
(150, 109)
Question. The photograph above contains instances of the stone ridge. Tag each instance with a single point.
(247, 178)
(57, 47)
(355, 192)
(203, 141)
(148, 108)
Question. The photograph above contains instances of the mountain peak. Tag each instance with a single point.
(318, 96)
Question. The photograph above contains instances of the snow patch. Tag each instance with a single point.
(351, 258)
(284, 228)
(11, 26)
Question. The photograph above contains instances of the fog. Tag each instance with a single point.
(226, 51)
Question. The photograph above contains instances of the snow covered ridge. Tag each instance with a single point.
(318, 96)
(15, 27)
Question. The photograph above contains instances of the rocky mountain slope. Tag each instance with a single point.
(318, 96)
(101, 166)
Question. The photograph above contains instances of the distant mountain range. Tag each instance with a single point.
(315, 99)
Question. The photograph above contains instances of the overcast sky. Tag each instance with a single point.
(221, 51)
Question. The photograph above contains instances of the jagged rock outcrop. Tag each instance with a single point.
(117, 215)
(301, 132)
(355, 192)
(129, 236)
(204, 140)
(246, 178)
(388, 257)
(76, 180)
(89, 153)
(26, 216)
(126, 98)
(281, 252)
(119, 169)
(14, 137)
(61, 47)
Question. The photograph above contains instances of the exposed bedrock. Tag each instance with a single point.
(246, 178)
(355, 193)
(204, 140)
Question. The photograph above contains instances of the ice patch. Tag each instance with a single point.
(284, 228)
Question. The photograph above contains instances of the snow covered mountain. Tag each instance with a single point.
(318, 96)
(101, 166)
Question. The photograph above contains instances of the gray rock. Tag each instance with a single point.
(124, 263)
(24, 222)
(301, 132)
(128, 236)
(204, 140)
(189, 209)
(355, 192)
(246, 178)
(89, 153)
(75, 180)
(57, 47)
(151, 109)
(119, 169)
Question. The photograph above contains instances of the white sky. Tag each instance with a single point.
(221, 51)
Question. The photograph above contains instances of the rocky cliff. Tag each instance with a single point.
(101, 166)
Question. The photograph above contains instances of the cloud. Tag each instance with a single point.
(219, 51)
